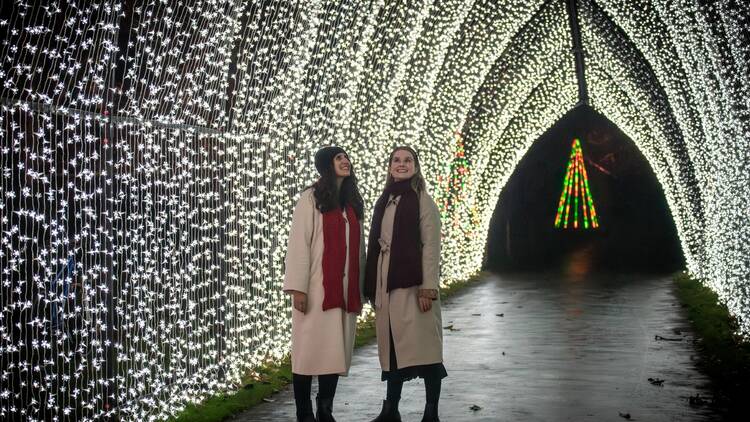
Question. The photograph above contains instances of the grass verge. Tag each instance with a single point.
(274, 377)
(254, 389)
(724, 355)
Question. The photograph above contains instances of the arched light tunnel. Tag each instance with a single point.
(152, 154)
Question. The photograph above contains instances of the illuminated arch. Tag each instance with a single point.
(181, 135)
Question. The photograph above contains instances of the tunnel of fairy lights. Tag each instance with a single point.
(152, 153)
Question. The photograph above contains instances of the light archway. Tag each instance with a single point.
(152, 154)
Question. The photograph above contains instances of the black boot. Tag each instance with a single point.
(430, 413)
(389, 413)
(305, 411)
(325, 410)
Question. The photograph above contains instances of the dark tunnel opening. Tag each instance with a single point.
(636, 234)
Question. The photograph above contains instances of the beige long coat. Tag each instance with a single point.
(417, 335)
(322, 341)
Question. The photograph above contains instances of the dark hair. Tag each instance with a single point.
(417, 181)
(324, 192)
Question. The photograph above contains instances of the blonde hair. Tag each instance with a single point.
(417, 181)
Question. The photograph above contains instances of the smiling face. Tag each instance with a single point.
(341, 165)
(402, 166)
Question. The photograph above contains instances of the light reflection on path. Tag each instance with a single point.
(574, 349)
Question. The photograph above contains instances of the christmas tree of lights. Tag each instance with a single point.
(454, 186)
(576, 194)
(453, 201)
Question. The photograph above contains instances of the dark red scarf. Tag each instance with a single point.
(405, 262)
(334, 260)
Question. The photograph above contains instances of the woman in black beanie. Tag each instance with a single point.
(324, 275)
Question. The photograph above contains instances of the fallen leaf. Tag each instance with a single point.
(658, 337)
(697, 400)
(267, 400)
(656, 381)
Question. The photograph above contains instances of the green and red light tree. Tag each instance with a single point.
(576, 195)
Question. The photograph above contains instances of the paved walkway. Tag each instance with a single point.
(544, 348)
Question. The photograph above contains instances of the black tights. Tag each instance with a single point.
(432, 387)
(432, 384)
(303, 385)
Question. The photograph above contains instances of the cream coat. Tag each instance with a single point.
(322, 341)
(418, 336)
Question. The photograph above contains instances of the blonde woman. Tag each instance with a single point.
(402, 282)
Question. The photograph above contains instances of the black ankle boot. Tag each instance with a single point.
(305, 411)
(325, 410)
(430, 413)
(389, 413)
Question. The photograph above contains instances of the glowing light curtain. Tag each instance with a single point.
(152, 152)
(576, 194)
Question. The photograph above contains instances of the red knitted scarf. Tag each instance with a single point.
(334, 260)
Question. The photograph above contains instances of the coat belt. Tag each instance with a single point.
(382, 287)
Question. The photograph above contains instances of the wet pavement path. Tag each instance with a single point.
(544, 348)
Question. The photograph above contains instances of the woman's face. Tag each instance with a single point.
(402, 165)
(341, 165)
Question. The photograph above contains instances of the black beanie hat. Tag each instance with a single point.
(324, 157)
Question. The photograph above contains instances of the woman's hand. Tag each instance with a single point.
(426, 296)
(425, 304)
(299, 301)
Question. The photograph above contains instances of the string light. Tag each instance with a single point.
(681, 100)
(576, 191)
(152, 155)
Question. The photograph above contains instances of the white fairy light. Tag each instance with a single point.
(151, 159)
